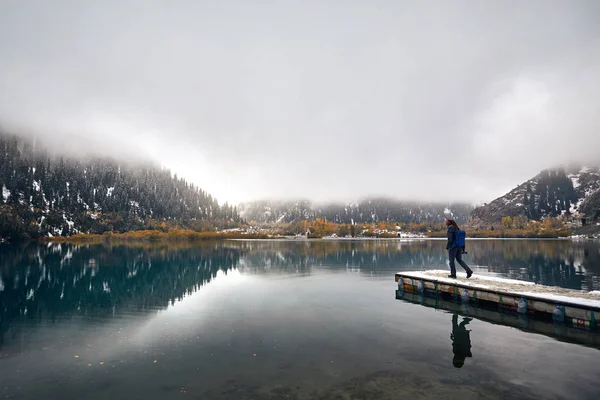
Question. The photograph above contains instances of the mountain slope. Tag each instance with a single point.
(590, 207)
(369, 210)
(43, 194)
(553, 192)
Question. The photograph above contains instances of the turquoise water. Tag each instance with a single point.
(277, 320)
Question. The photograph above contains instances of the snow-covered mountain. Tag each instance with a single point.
(42, 195)
(574, 191)
(369, 210)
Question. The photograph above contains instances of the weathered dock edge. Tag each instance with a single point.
(579, 312)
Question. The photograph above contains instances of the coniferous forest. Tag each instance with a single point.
(50, 195)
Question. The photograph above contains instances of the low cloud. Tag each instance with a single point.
(435, 101)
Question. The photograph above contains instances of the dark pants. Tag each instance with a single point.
(456, 253)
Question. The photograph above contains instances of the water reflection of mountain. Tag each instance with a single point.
(563, 263)
(370, 255)
(60, 280)
(50, 281)
(569, 264)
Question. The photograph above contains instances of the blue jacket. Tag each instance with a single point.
(451, 235)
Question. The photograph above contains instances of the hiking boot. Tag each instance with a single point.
(452, 276)
(469, 273)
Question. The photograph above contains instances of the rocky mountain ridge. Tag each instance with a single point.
(574, 192)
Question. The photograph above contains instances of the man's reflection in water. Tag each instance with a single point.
(461, 341)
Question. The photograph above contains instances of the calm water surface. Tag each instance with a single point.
(277, 320)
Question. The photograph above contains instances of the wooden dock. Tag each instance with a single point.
(559, 305)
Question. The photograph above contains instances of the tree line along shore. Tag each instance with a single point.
(550, 228)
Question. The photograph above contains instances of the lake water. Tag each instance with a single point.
(278, 320)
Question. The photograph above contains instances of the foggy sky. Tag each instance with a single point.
(326, 100)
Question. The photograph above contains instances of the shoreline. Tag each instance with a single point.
(133, 237)
(190, 236)
(148, 236)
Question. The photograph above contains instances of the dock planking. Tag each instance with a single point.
(570, 306)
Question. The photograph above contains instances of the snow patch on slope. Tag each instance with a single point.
(575, 180)
(5, 193)
(585, 182)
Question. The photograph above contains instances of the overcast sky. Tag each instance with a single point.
(326, 100)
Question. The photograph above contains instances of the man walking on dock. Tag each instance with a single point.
(455, 251)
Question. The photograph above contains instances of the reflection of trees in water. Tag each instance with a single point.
(61, 280)
(382, 255)
(47, 281)
(390, 255)
(551, 262)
